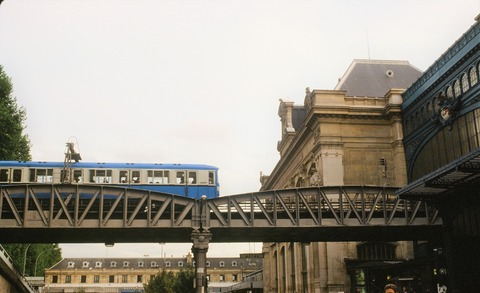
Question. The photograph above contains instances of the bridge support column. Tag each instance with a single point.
(200, 240)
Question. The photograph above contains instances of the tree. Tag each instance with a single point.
(184, 281)
(38, 256)
(14, 144)
(169, 282)
(162, 283)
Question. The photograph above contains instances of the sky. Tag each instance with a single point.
(197, 81)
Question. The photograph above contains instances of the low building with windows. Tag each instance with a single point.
(126, 275)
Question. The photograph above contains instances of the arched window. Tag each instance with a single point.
(449, 93)
(234, 263)
(429, 109)
(473, 76)
(465, 84)
(456, 88)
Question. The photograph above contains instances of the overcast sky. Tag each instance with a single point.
(197, 81)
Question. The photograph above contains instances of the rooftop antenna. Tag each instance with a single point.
(70, 156)
(368, 45)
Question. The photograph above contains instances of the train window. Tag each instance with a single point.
(158, 177)
(41, 175)
(211, 177)
(123, 177)
(127, 176)
(3, 175)
(17, 175)
(192, 177)
(100, 176)
(180, 178)
(78, 176)
(136, 176)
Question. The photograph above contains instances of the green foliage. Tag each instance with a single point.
(14, 145)
(38, 256)
(169, 282)
(184, 281)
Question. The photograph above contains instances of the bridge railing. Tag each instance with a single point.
(319, 206)
(93, 206)
(100, 206)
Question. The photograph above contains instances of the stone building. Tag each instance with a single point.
(125, 275)
(351, 135)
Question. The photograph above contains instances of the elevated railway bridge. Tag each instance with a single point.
(75, 213)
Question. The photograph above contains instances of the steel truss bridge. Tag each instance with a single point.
(69, 213)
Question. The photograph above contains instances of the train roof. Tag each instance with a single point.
(102, 165)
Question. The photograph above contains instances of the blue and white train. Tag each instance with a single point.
(191, 180)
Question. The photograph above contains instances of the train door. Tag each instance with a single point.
(129, 176)
(181, 183)
(192, 184)
(71, 176)
(10, 175)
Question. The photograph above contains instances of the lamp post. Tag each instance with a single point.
(25, 258)
(38, 256)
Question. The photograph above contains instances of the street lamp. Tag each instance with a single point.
(38, 256)
(25, 258)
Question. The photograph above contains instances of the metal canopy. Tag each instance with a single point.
(463, 172)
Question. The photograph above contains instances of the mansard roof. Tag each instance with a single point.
(153, 262)
(374, 78)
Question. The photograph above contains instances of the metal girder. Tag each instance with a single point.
(92, 206)
(319, 206)
(88, 213)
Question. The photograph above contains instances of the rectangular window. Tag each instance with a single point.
(96, 279)
(139, 278)
(192, 177)
(211, 178)
(41, 175)
(180, 178)
(54, 279)
(222, 278)
(100, 176)
(124, 278)
(68, 279)
(234, 277)
(123, 177)
(158, 177)
(17, 175)
(111, 279)
(77, 176)
(136, 177)
(3, 175)
(83, 279)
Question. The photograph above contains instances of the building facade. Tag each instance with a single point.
(351, 135)
(442, 141)
(127, 275)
